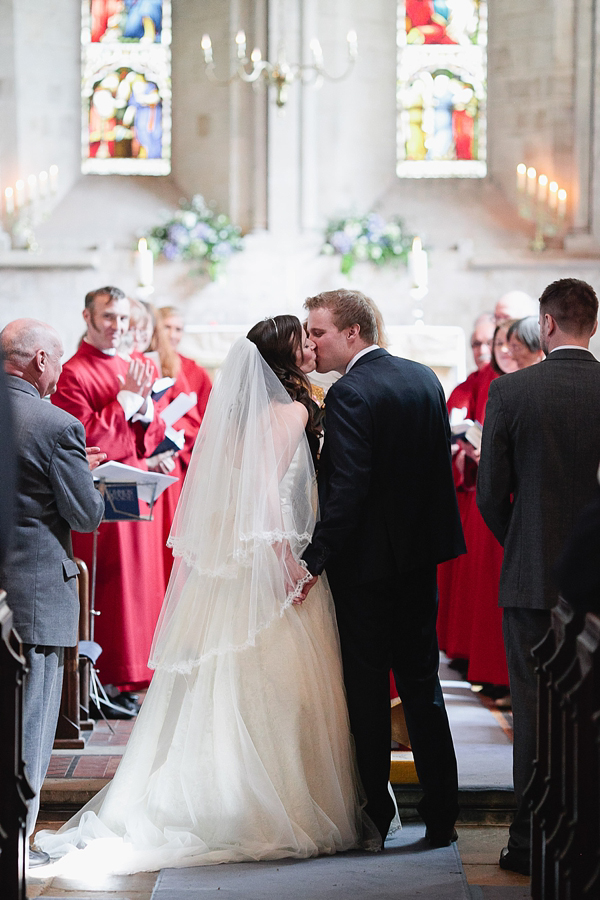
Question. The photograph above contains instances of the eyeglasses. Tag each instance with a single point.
(475, 345)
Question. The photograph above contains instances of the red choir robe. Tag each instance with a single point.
(191, 377)
(471, 621)
(454, 615)
(130, 574)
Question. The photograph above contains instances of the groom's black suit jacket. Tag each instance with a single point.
(386, 493)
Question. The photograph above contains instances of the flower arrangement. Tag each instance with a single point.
(367, 239)
(196, 233)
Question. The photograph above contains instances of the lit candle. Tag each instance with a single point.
(145, 264)
(531, 181)
(521, 177)
(562, 203)
(10, 201)
(31, 188)
(43, 184)
(417, 264)
(53, 178)
(206, 45)
(352, 43)
(553, 198)
(240, 40)
(315, 49)
(19, 194)
(256, 55)
(542, 188)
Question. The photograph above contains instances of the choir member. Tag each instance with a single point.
(110, 395)
(189, 378)
(524, 342)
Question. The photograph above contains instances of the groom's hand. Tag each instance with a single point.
(306, 588)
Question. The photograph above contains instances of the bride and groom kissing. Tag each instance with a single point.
(258, 739)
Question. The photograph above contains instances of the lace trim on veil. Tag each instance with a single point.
(185, 667)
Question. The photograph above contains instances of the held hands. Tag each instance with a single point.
(94, 457)
(138, 380)
(294, 571)
(307, 587)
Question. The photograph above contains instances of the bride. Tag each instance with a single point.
(241, 750)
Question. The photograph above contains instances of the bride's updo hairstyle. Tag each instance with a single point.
(278, 340)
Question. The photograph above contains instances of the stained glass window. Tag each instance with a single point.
(126, 87)
(441, 88)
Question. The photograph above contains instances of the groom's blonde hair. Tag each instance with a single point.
(348, 308)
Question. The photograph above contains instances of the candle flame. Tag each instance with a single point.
(142, 245)
(531, 173)
(553, 187)
(521, 168)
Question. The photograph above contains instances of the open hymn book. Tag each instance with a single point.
(464, 429)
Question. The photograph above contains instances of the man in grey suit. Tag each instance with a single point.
(539, 458)
(55, 494)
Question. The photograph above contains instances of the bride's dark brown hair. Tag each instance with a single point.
(278, 340)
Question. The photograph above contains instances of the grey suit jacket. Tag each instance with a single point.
(539, 458)
(55, 494)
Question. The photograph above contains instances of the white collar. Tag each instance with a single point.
(112, 351)
(360, 353)
(568, 347)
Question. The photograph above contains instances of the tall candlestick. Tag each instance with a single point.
(417, 264)
(10, 201)
(53, 175)
(145, 264)
(531, 181)
(521, 177)
(19, 194)
(553, 197)
(32, 188)
(542, 188)
(562, 203)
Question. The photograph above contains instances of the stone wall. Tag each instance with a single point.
(333, 152)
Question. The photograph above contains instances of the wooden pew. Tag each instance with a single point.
(75, 701)
(14, 787)
(565, 789)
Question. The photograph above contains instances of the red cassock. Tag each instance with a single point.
(191, 377)
(470, 620)
(130, 577)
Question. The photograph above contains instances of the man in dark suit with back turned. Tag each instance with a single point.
(539, 457)
(388, 516)
(55, 494)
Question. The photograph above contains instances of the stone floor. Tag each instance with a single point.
(483, 740)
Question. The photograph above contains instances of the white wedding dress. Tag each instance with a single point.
(241, 750)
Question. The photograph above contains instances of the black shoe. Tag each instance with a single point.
(111, 711)
(37, 858)
(441, 837)
(128, 701)
(513, 862)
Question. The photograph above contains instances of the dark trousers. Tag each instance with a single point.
(391, 624)
(41, 706)
(523, 629)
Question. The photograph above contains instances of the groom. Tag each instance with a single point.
(388, 516)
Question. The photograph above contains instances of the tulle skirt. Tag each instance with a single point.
(246, 757)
